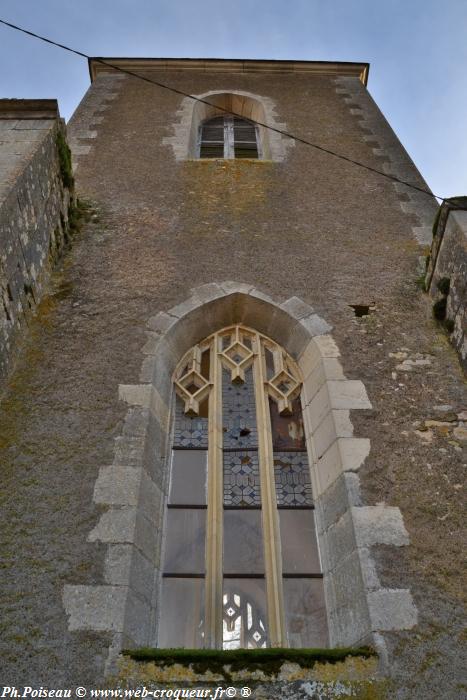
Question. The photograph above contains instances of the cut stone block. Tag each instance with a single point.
(297, 308)
(392, 610)
(350, 393)
(379, 525)
(118, 485)
(99, 608)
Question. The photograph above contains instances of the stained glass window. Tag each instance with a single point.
(292, 477)
(239, 413)
(244, 614)
(241, 478)
(190, 431)
(240, 517)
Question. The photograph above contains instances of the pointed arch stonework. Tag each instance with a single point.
(134, 487)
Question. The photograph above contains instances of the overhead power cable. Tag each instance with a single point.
(287, 134)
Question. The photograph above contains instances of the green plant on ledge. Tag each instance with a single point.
(443, 285)
(64, 158)
(268, 660)
(439, 309)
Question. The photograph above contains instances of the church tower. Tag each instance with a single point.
(240, 367)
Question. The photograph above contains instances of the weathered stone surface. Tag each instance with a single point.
(297, 308)
(135, 394)
(460, 433)
(344, 454)
(115, 525)
(335, 424)
(354, 675)
(33, 222)
(231, 287)
(207, 292)
(348, 394)
(392, 610)
(166, 227)
(326, 369)
(448, 260)
(95, 607)
(137, 619)
(337, 499)
(118, 485)
(125, 565)
(161, 322)
(315, 325)
(379, 525)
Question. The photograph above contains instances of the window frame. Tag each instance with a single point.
(282, 386)
(229, 138)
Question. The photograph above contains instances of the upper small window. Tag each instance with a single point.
(228, 137)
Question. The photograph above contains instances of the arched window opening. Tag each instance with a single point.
(228, 137)
(241, 566)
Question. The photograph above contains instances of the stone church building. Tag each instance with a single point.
(229, 418)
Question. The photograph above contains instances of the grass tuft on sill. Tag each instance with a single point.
(268, 660)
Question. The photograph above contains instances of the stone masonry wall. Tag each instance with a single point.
(308, 226)
(34, 203)
(446, 278)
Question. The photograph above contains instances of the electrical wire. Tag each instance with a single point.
(287, 134)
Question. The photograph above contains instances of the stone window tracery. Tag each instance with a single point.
(241, 566)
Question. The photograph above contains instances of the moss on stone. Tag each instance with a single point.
(421, 283)
(443, 285)
(267, 660)
(64, 158)
(439, 309)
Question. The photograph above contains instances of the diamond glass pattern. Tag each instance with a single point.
(244, 614)
(292, 477)
(239, 413)
(189, 431)
(241, 479)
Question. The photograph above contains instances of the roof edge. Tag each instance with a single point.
(29, 109)
(227, 65)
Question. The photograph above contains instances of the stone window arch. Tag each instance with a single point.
(126, 603)
(241, 566)
(218, 103)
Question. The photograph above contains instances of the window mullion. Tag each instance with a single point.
(259, 143)
(229, 145)
(270, 518)
(214, 528)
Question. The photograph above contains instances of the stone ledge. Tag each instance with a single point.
(254, 664)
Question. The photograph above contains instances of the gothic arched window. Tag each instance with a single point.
(228, 137)
(241, 565)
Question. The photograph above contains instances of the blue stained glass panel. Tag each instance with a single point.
(239, 412)
(292, 477)
(189, 432)
(241, 479)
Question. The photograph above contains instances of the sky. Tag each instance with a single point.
(417, 50)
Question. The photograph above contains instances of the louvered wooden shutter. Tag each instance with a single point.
(228, 137)
(245, 141)
(212, 138)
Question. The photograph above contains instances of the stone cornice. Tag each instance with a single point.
(220, 65)
(28, 109)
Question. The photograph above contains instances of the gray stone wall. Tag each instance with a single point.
(308, 226)
(446, 279)
(34, 207)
